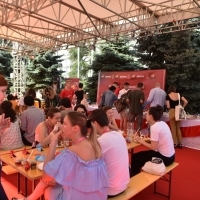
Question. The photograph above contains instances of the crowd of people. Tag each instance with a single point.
(101, 160)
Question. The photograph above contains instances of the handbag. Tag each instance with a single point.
(155, 166)
(180, 113)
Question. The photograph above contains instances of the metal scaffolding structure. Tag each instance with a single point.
(20, 62)
(56, 24)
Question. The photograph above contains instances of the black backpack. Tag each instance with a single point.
(121, 103)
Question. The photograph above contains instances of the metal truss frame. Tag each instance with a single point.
(29, 22)
(20, 62)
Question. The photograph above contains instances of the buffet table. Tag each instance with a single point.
(190, 128)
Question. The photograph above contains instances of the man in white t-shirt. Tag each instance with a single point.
(115, 153)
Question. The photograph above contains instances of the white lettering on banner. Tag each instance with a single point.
(107, 76)
(123, 77)
(140, 76)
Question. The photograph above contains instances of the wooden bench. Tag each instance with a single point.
(143, 180)
(3, 152)
(7, 169)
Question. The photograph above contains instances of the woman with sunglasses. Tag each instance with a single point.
(52, 99)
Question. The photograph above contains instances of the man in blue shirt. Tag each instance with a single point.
(157, 96)
(108, 97)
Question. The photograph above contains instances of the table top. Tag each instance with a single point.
(31, 174)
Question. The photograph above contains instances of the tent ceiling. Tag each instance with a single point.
(49, 24)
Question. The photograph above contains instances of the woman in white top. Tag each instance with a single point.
(161, 145)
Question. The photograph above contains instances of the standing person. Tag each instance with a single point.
(30, 119)
(115, 153)
(11, 137)
(79, 172)
(67, 92)
(161, 142)
(79, 94)
(116, 85)
(4, 124)
(157, 96)
(135, 100)
(108, 97)
(172, 101)
(124, 113)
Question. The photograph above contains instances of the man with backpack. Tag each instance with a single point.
(124, 112)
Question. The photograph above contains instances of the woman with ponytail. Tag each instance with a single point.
(161, 145)
(78, 172)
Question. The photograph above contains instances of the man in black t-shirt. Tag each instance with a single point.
(136, 99)
(79, 93)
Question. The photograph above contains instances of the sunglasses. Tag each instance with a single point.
(47, 94)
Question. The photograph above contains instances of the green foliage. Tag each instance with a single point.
(5, 63)
(179, 54)
(114, 56)
(43, 70)
(73, 56)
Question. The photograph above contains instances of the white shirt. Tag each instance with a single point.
(115, 155)
(121, 92)
(160, 132)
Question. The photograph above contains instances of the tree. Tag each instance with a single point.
(114, 56)
(5, 63)
(83, 62)
(179, 54)
(43, 70)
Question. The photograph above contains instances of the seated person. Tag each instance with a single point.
(43, 130)
(65, 107)
(10, 137)
(161, 145)
(78, 173)
(112, 123)
(30, 118)
(115, 153)
(81, 108)
(52, 99)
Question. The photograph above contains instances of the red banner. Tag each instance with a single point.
(148, 77)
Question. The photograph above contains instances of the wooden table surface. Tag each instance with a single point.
(31, 174)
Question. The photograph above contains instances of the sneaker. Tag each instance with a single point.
(175, 145)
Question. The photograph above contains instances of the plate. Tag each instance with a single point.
(40, 166)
